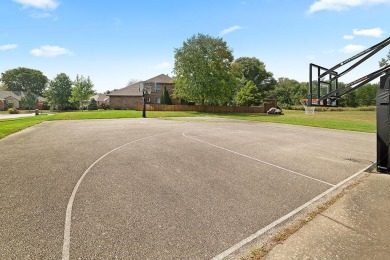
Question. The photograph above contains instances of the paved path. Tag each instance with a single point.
(161, 189)
(356, 227)
(9, 116)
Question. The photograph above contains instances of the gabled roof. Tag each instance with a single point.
(133, 90)
(162, 78)
(15, 95)
(100, 97)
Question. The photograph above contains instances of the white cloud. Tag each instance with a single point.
(310, 57)
(375, 32)
(231, 29)
(37, 15)
(7, 47)
(164, 65)
(48, 51)
(348, 37)
(341, 5)
(40, 4)
(352, 48)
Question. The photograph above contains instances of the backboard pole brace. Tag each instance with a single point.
(325, 91)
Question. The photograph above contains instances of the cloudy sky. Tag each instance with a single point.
(114, 41)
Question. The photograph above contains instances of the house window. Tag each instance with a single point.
(157, 100)
(148, 100)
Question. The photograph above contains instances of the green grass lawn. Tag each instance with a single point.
(362, 121)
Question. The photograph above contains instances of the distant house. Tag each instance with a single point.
(2, 105)
(101, 99)
(130, 96)
(13, 99)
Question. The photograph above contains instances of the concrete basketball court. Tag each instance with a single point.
(178, 188)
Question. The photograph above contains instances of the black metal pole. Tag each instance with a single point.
(383, 124)
(143, 104)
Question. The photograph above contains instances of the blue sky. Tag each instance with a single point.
(114, 41)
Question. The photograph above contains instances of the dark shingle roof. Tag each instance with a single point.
(100, 97)
(133, 90)
(162, 78)
(16, 95)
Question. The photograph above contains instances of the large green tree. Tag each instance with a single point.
(24, 79)
(82, 90)
(366, 95)
(252, 69)
(289, 92)
(248, 95)
(29, 99)
(59, 91)
(203, 71)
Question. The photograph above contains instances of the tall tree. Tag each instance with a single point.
(248, 95)
(82, 90)
(59, 91)
(24, 79)
(29, 99)
(366, 95)
(289, 92)
(203, 70)
(252, 69)
(165, 99)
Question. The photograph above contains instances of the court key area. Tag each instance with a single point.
(177, 188)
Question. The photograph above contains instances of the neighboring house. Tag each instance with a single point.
(130, 96)
(13, 99)
(2, 105)
(101, 99)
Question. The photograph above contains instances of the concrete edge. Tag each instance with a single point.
(263, 239)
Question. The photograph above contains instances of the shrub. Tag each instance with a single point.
(12, 110)
(104, 106)
(92, 104)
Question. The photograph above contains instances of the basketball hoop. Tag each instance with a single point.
(309, 110)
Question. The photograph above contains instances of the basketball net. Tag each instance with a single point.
(309, 110)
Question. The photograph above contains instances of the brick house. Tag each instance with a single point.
(101, 100)
(13, 98)
(130, 96)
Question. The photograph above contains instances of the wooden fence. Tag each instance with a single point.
(211, 109)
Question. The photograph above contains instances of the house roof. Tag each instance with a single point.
(133, 90)
(6, 94)
(100, 97)
(162, 78)
(15, 95)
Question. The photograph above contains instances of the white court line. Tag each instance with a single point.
(258, 160)
(68, 216)
(268, 137)
(252, 237)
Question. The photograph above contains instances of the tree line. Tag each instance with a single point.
(61, 92)
(206, 73)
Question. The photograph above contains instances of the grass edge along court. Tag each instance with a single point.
(361, 121)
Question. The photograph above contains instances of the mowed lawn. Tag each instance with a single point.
(362, 121)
